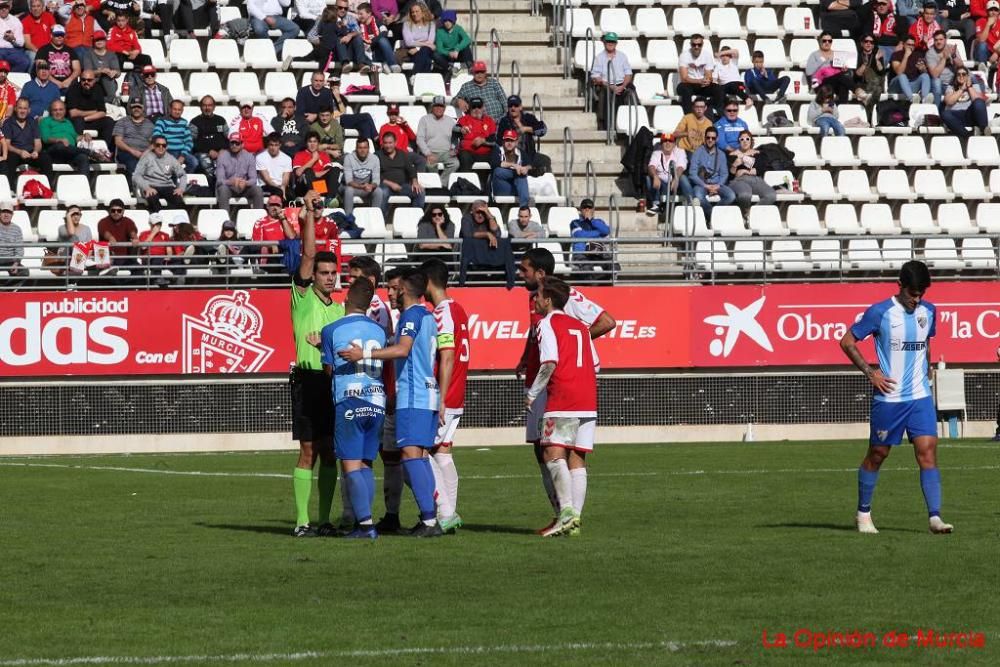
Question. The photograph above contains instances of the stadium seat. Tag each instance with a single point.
(982, 151)
(49, 222)
(426, 86)
(874, 152)
(175, 83)
(689, 221)
(894, 184)
(803, 220)
(244, 86)
(818, 184)
(947, 152)
(876, 219)
(662, 54)
(799, 50)
(210, 221)
(917, 219)
(940, 253)
(92, 217)
(23, 222)
(279, 85)
(988, 218)
(616, 19)
(185, 54)
(208, 83)
(432, 180)
(559, 219)
(113, 186)
(852, 184)
(258, 54)
(788, 255)
(738, 45)
(652, 23)
(864, 254)
(725, 22)
(648, 86)
(371, 221)
(245, 219)
(930, 184)
(579, 20)
(896, 252)
(978, 253)
(667, 118)
(728, 221)
(470, 176)
(688, 21)
(842, 219)
(224, 54)
(837, 152)
(825, 255)
(583, 53)
(299, 48)
(405, 220)
(559, 255)
(765, 220)
(36, 203)
(911, 151)
(794, 21)
(629, 119)
(749, 256)
(968, 183)
(630, 48)
(713, 257)
(774, 53)
(33, 259)
(154, 49)
(202, 180)
(804, 148)
(953, 219)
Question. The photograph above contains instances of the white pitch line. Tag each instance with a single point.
(671, 646)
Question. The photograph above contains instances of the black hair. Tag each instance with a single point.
(393, 273)
(540, 259)
(368, 266)
(555, 289)
(914, 274)
(436, 272)
(272, 138)
(325, 256)
(359, 294)
(415, 284)
(312, 135)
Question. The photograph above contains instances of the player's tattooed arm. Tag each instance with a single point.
(849, 344)
(541, 381)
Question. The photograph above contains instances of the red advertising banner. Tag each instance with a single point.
(249, 331)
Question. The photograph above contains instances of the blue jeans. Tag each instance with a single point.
(905, 85)
(353, 51)
(980, 52)
(975, 116)
(381, 194)
(654, 196)
(17, 58)
(423, 60)
(288, 28)
(506, 182)
(383, 52)
(768, 86)
(829, 125)
(191, 163)
(937, 90)
(727, 197)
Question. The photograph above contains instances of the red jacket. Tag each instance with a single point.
(251, 132)
(80, 31)
(484, 127)
(404, 135)
(123, 40)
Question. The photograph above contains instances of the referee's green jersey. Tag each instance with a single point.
(310, 314)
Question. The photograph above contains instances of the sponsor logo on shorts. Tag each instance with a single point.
(363, 411)
(882, 435)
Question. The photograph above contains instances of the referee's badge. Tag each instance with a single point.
(224, 339)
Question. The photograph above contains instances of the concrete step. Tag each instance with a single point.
(554, 87)
(577, 120)
(494, 7)
(580, 153)
(528, 56)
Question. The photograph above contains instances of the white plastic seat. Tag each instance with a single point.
(818, 184)
(799, 50)
(224, 54)
(728, 221)
(630, 48)
(652, 23)
(864, 254)
(763, 22)
(954, 219)
(947, 152)
(617, 20)
(978, 253)
(185, 54)
(560, 256)
(930, 184)
(749, 255)
(876, 219)
(788, 255)
(852, 184)
(579, 20)
(774, 53)
(74, 189)
(917, 219)
(917, 113)
(405, 221)
(825, 255)
(630, 119)
(583, 53)
(279, 85)
(648, 86)
(48, 224)
(427, 85)
(713, 257)
(794, 128)
(795, 19)
(858, 111)
(968, 183)
(470, 176)
(804, 148)
(560, 219)
(113, 186)
(842, 219)
(995, 182)
(896, 252)
(837, 152)
(688, 21)
(662, 54)
(174, 82)
(982, 151)
(940, 253)
(154, 49)
(894, 184)
(258, 54)
(23, 222)
(988, 218)
(245, 219)
(210, 221)
(208, 83)
(725, 22)
(910, 150)
(782, 180)
(765, 220)
(803, 220)
(299, 48)
(243, 86)
(371, 221)
(874, 151)
(667, 118)
(32, 260)
(740, 46)
(689, 221)
(395, 88)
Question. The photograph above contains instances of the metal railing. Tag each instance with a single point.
(610, 102)
(515, 78)
(474, 26)
(539, 113)
(536, 7)
(569, 156)
(496, 52)
(589, 53)
(590, 179)
(563, 34)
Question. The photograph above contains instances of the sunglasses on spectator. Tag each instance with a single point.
(75, 214)
(114, 210)
(696, 45)
(710, 138)
(826, 41)
(149, 76)
(732, 110)
(235, 143)
(961, 74)
(868, 41)
(90, 80)
(159, 145)
(437, 214)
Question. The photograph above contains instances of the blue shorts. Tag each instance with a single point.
(889, 420)
(416, 428)
(357, 430)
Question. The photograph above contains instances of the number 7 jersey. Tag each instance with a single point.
(453, 333)
(572, 390)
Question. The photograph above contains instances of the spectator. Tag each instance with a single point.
(823, 113)
(8, 92)
(72, 230)
(12, 39)
(486, 88)
(362, 175)
(11, 243)
(79, 26)
(291, 127)
(229, 250)
(690, 132)
(362, 122)
(23, 143)
(236, 176)
(695, 70)
(85, 100)
(730, 126)
(155, 257)
(438, 231)
(586, 226)
(479, 226)
(314, 164)
(155, 97)
(478, 137)
(40, 91)
(964, 105)
(406, 138)
(745, 181)
(610, 73)
(709, 172)
(727, 75)
(313, 97)
(132, 135)
(119, 232)
(179, 137)
(910, 69)
(274, 168)
(168, 14)
(36, 26)
(761, 81)
(59, 139)
(923, 29)
(250, 126)
(331, 135)
(103, 63)
(388, 13)
(524, 226)
(399, 176)
(529, 130)
(267, 14)
(64, 65)
(837, 16)
(483, 245)
(886, 28)
(209, 133)
(451, 45)
(340, 39)
(375, 37)
(434, 139)
(511, 174)
(270, 231)
(942, 60)
(418, 37)
(307, 12)
(319, 52)
(828, 67)
(185, 251)
(984, 49)
(907, 11)
(666, 174)
(123, 40)
(159, 175)
(869, 76)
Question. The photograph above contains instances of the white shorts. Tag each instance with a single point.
(533, 419)
(575, 433)
(389, 433)
(446, 432)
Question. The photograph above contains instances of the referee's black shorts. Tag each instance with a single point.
(312, 406)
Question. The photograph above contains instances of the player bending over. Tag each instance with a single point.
(359, 399)
(313, 308)
(568, 371)
(417, 397)
(454, 353)
(537, 264)
(902, 326)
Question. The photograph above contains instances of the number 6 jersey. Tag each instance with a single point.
(572, 390)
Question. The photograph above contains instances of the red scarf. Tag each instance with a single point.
(883, 26)
(924, 33)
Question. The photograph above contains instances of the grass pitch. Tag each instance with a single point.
(688, 554)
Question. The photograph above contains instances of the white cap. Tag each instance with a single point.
(178, 220)
(155, 219)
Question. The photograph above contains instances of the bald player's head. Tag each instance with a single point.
(359, 296)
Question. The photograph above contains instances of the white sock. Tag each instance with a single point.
(579, 482)
(345, 496)
(445, 509)
(561, 483)
(392, 487)
(450, 474)
(550, 490)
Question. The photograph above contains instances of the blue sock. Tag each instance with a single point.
(930, 484)
(358, 488)
(369, 476)
(421, 481)
(866, 488)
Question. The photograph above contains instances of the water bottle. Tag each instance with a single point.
(941, 365)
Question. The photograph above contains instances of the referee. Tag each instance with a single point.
(313, 308)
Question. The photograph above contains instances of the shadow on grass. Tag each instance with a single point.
(833, 526)
(273, 530)
(494, 528)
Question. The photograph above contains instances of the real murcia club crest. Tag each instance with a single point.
(224, 338)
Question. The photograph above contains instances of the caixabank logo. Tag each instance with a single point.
(225, 337)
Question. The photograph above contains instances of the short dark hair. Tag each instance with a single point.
(930, 5)
(915, 275)
(695, 36)
(555, 289)
(757, 54)
(393, 273)
(274, 137)
(436, 272)
(154, 138)
(360, 140)
(359, 294)
(312, 135)
(524, 208)
(540, 259)
(415, 284)
(710, 130)
(699, 99)
(206, 97)
(940, 32)
(325, 256)
(288, 99)
(326, 108)
(368, 266)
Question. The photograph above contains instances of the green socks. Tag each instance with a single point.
(327, 486)
(302, 479)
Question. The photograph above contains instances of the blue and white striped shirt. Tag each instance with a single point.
(902, 342)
